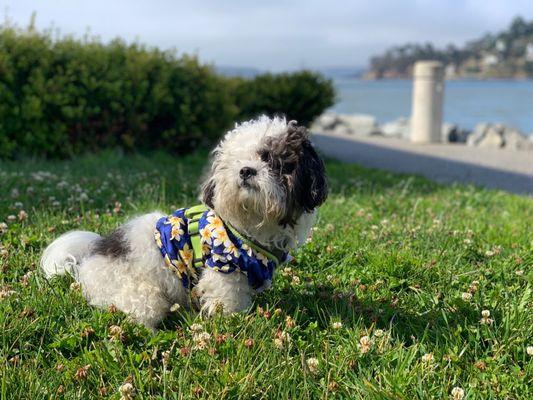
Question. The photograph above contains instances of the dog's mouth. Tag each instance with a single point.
(247, 185)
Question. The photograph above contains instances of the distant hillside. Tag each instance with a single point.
(240, 72)
(342, 72)
(508, 54)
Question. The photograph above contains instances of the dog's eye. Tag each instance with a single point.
(265, 155)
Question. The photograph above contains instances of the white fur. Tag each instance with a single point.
(139, 282)
(66, 252)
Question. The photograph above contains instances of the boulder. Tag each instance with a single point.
(514, 139)
(493, 137)
(325, 122)
(360, 124)
(477, 134)
(399, 128)
(451, 133)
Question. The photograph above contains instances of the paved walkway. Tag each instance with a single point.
(509, 170)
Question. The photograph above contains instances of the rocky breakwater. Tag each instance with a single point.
(484, 134)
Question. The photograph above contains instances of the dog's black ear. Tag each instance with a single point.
(310, 186)
(208, 192)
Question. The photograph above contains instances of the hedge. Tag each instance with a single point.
(64, 97)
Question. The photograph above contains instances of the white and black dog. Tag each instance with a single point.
(260, 197)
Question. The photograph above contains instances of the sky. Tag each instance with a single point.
(273, 34)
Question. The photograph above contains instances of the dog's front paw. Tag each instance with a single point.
(223, 293)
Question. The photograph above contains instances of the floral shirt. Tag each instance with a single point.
(222, 249)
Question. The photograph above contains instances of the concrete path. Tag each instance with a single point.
(508, 170)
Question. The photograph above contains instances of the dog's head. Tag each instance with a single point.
(265, 172)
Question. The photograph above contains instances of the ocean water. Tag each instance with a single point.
(466, 103)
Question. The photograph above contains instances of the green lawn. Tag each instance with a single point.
(385, 302)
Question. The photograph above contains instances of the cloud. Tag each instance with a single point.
(276, 34)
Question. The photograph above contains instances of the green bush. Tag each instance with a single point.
(301, 96)
(64, 97)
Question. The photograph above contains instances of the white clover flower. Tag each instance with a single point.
(458, 393)
(127, 391)
(286, 271)
(4, 293)
(278, 343)
(11, 218)
(175, 307)
(3, 227)
(312, 364)
(466, 296)
(529, 350)
(336, 325)
(195, 328)
(365, 344)
(428, 358)
(295, 280)
(165, 356)
(75, 286)
(379, 333)
(485, 318)
(202, 336)
(23, 215)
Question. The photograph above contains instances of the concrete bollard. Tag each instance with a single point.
(428, 91)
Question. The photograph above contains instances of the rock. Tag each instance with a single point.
(514, 139)
(493, 137)
(325, 122)
(498, 136)
(399, 128)
(360, 124)
(451, 133)
(477, 134)
(341, 129)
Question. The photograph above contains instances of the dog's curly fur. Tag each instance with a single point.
(275, 207)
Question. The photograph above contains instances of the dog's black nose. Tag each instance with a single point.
(247, 172)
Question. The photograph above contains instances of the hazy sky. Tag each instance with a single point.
(273, 34)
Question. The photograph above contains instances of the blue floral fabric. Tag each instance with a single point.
(222, 250)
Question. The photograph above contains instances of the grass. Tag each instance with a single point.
(385, 302)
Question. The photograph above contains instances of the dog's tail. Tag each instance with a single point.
(65, 253)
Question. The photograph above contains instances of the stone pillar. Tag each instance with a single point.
(428, 91)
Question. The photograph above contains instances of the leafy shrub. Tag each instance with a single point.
(64, 97)
(301, 95)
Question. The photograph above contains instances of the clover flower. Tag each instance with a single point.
(312, 364)
(290, 322)
(365, 344)
(116, 333)
(457, 393)
(466, 296)
(196, 328)
(379, 333)
(82, 372)
(127, 391)
(485, 318)
(336, 325)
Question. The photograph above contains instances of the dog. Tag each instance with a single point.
(259, 201)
